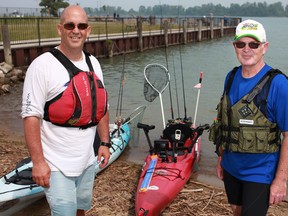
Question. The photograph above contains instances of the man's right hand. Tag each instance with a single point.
(219, 169)
(41, 174)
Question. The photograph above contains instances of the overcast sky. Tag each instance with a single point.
(128, 4)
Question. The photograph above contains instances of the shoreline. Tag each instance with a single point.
(114, 188)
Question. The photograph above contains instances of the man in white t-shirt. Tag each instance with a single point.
(63, 157)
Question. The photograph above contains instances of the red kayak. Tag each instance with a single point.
(167, 168)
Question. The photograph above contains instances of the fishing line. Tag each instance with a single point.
(181, 64)
(120, 93)
(176, 88)
(166, 57)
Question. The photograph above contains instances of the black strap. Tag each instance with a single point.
(258, 88)
(230, 80)
(71, 68)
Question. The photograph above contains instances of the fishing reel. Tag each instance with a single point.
(119, 121)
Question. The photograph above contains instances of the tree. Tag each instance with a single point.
(51, 7)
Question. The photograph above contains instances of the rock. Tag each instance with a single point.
(14, 79)
(5, 67)
(16, 72)
(4, 80)
(5, 88)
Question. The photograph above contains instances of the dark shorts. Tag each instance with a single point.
(253, 197)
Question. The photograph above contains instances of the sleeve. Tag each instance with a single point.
(278, 102)
(34, 91)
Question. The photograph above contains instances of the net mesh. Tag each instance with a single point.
(156, 80)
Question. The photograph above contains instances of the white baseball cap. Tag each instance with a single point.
(250, 28)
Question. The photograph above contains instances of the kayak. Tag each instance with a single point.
(168, 167)
(17, 189)
(174, 156)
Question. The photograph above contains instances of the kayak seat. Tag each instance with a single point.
(161, 148)
(183, 131)
(23, 177)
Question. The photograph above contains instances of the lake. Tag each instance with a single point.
(214, 58)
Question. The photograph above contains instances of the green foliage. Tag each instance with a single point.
(247, 9)
(51, 7)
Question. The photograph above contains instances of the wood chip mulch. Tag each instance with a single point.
(114, 190)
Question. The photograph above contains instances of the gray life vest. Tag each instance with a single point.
(245, 127)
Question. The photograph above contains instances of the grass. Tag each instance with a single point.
(45, 28)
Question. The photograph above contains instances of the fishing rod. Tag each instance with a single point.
(181, 64)
(182, 74)
(176, 88)
(170, 94)
(119, 119)
(166, 57)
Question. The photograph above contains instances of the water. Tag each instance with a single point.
(214, 58)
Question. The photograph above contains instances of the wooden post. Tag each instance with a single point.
(6, 44)
(184, 31)
(211, 27)
(222, 27)
(166, 33)
(140, 33)
(199, 30)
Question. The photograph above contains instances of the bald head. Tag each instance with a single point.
(73, 10)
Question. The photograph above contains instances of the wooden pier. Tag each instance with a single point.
(117, 44)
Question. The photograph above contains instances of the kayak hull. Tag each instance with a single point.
(167, 180)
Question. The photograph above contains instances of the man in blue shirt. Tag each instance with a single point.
(253, 152)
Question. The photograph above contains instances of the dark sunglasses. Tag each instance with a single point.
(71, 26)
(252, 45)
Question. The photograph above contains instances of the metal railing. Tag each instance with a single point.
(41, 30)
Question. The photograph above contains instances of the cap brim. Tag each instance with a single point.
(246, 35)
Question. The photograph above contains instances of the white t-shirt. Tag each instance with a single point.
(67, 149)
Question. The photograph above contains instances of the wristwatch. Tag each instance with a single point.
(107, 144)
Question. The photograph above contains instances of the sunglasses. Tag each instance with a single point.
(71, 26)
(252, 45)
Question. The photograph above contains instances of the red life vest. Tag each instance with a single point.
(83, 103)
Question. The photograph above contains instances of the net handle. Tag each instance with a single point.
(136, 112)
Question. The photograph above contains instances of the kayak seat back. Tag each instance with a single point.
(177, 133)
(23, 177)
(161, 148)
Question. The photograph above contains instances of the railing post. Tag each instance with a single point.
(184, 31)
(199, 30)
(38, 28)
(139, 32)
(106, 27)
(222, 27)
(6, 44)
(122, 20)
(211, 27)
(166, 33)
